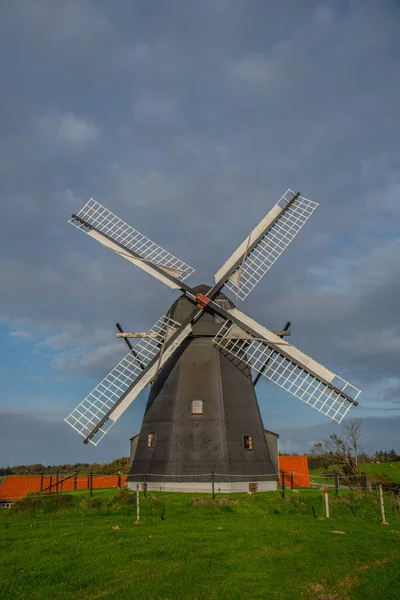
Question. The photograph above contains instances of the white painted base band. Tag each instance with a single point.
(220, 487)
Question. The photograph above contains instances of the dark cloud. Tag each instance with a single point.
(391, 392)
(377, 434)
(37, 438)
(189, 121)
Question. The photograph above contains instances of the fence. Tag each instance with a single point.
(337, 482)
(359, 482)
(64, 483)
(15, 487)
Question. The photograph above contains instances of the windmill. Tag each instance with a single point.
(203, 359)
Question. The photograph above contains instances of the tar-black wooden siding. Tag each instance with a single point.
(187, 444)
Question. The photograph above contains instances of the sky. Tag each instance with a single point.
(189, 120)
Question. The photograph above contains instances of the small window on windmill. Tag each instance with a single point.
(151, 440)
(247, 442)
(197, 407)
(224, 304)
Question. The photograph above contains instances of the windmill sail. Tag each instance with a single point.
(287, 366)
(265, 243)
(112, 232)
(241, 339)
(110, 398)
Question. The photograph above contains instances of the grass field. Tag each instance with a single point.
(187, 546)
(392, 470)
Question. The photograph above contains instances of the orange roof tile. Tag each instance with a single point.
(16, 487)
(299, 465)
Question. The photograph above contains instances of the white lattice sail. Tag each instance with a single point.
(87, 415)
(120, 234)
(284, 370)
(280, 229)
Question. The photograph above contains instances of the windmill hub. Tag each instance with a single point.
(207, 324)
(202, 361)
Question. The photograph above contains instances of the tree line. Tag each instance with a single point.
(389, 457)
(119, 465)
(338, 454)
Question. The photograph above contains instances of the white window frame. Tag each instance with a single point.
(197, 407)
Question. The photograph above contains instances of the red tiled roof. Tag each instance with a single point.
(299, 465)
(16, 487)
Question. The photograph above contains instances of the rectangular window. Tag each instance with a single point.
(253, 487)
(247, 442)
(197, 407)
(151, 440)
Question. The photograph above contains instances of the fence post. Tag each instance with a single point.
(137, 504)
(56, 483)
(41, 482)
(75, 480)
(384, 522)
(91, 483)
(212, 485)
(364, 480)
(337, 483)
(292, 480)
(144, 485)
(51, 483)
(283, 483)
(326, 502)
(119, 480)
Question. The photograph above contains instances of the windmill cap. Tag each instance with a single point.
(207, 325)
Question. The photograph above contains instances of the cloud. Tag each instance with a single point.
(92, 363)
(323, 14)
(33, 437)
(58, 342)
(75, 22)
(154, 107)
(252, 69)
(68, 128)
(377, 433)
(384, 341)
(21, 335)
(391, 391)
(192, 143)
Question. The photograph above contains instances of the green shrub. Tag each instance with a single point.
(50, 503)
(95, 503)
(212, 506)
(125, 497)
(379, 479)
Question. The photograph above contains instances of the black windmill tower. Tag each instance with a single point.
(202, 360)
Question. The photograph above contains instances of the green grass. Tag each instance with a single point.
(393, 472)
(316, 477)
(371, 469)
(189, 547)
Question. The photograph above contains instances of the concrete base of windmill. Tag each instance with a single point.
(220, 487)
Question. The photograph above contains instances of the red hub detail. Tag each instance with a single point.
(202, 300)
